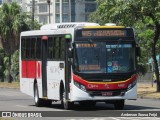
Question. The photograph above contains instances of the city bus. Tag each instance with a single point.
(80, 63)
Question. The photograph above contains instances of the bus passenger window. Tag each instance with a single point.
(28, 48)
(51, 48)
(38, 48)
(62, 48)
(56, 48)
(33, 46)
(23, 48)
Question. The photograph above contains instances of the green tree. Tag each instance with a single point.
(131, 13)
(2, 67)
(30, 24)
(12, 22)
(15, 65)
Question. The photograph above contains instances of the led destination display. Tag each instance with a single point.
(111, 33)
(102, 33)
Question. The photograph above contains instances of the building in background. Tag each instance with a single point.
(41, 10)
(0, 2)
(73, 10)
(60, 10)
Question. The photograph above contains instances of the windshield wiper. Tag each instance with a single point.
(94, 49)
(117, 46)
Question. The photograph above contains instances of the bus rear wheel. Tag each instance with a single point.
(119, 104)
(38, 101)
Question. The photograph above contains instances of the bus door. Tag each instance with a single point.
(67, 65)
(44, 66)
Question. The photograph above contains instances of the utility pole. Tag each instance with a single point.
(70, 11)
(33, 9)
(49, 2)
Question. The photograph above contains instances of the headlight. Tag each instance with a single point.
(80, 86)
(131, 85)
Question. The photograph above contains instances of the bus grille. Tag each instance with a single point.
(107, 93)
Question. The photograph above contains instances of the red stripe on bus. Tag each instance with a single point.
(30, 69)
(24, 69)
(38, 70)
(105, 85)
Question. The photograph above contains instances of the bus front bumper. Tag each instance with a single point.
(79, 95)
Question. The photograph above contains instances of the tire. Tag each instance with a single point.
(38, 101)
(119, 104)
(67, 105)
(88, 104)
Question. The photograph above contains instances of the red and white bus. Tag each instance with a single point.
(79, 62)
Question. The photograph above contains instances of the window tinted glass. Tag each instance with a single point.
(38, 48)
(51, 50)
(23, 48)
(28, 48)
(32, 48)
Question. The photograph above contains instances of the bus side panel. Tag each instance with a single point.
(54, 75)
(31, 74)
(24, 69)
(131, 94)
(39, 77)
(24, 83)
(31, 69)
(28, 76)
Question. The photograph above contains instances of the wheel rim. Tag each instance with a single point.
(36, 95)
(64, 100)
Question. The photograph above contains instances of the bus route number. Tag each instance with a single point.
(102, 33)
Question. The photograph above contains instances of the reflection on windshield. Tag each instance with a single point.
(104, 58)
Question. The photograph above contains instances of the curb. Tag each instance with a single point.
(9, 88)
(142, 97)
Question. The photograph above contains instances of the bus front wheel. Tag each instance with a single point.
(67, 105)
(119, 104)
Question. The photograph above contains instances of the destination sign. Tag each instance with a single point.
(107, 33)
(103, 33)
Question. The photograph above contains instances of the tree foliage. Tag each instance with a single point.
(12, 22)
(2, 67)
(143, 15)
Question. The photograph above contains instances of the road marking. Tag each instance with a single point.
(114, 118)
(21, 106)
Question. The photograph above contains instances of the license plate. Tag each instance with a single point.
(107, 93)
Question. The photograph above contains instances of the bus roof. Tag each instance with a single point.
(67, 25)
(66, 28)
(104, 27)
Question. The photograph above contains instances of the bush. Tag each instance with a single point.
(15, 66)
(5, 69)
(141, 69)
(2, 67)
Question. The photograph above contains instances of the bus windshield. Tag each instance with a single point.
(103, 57)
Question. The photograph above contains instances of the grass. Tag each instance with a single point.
(6, 119)
(9, 85)
(145, 90)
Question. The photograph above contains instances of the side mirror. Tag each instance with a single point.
(138, 51)
(70, 53)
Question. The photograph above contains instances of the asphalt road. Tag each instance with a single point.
(14, 100)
